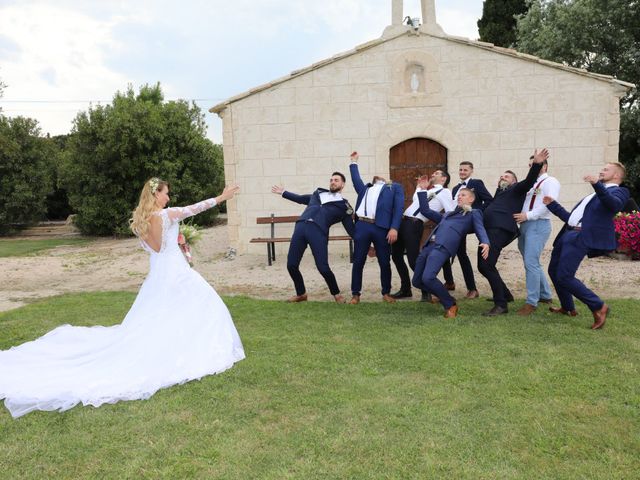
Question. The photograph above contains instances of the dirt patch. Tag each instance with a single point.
(122, 265)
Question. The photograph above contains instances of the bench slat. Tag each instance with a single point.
(288, 239)
(269, 220)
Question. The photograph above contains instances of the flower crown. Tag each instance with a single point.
(154, 183)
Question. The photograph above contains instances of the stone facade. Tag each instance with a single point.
(485, 104)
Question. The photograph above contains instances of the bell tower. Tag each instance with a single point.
(429, 24)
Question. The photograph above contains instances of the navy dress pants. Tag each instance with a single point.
(566, 257)
(498, 238)
(430, 261)
(307, 233)
(365, 235)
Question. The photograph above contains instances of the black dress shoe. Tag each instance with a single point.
(495, 311)
(546, 300)
(401, 294)
(508, 299)
(426, 297)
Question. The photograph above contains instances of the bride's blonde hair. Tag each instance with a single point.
(139, 221)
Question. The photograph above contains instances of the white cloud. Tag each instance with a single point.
(78, 50)
(60, 56)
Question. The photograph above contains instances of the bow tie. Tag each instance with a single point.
(463, 184)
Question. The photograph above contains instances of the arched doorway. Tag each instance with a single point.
(412, 158)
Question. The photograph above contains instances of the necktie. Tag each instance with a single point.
(365, 201)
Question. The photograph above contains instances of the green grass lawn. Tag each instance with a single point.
(364, 392)
(20, 248)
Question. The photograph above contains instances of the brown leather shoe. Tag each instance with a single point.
(472, 294)
(546, 300)
(562, 311)
(526, 310)
(600, 317)
(388, 298)
(354, 300)
(339, 299)
(450, 286)
(451, 312)
(298, 298)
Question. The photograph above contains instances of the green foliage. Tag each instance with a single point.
(25, 172)
(372, 392)
(58, 207)
(498, 22)
(601, 36)
(114, 149)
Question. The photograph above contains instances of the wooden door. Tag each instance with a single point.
(413, 158)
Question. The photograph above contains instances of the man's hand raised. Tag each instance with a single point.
(541, 156)
(277, 189)
(592, 179)
(355, 157)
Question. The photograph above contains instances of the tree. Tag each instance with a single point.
(2, 87)
(114, 149)
(25, 172)
(498, 24)
(58, 207)
(601, 36)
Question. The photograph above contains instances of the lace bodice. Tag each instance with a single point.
(171, 218)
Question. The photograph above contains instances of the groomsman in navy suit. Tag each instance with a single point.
(412, 229)
(325, 208)
(378, 215)
(444, 242)
(588, 231)
(482, 200)
(502, 228)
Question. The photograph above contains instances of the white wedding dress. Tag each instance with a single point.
(178, 329)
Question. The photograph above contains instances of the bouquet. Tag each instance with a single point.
(188, 235)
(628, 231)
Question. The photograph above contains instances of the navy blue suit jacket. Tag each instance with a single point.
(483, 197)
(598, 232)
(452, 227)
(323, 215)
(499, 214)
(390, 202)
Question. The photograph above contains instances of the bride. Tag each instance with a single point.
(178, 329)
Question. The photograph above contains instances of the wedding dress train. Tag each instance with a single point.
(178, 329)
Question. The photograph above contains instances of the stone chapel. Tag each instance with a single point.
(412, 101)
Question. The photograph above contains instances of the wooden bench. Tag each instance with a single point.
(272, 240)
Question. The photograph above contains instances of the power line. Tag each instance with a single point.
(105, 101)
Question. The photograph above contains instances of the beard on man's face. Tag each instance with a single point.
(502, 184)
(334, 188)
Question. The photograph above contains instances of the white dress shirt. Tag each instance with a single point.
(463, 184)
(575, 220)
(439, 199)
(544, 186)
(326, 197)
(370, 201)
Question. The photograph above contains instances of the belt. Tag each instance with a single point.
(413, 219)
(366, 220)
(577, 229)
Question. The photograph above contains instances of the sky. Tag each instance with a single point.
(59, 57)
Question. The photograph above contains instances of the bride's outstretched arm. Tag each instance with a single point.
(180, 213)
